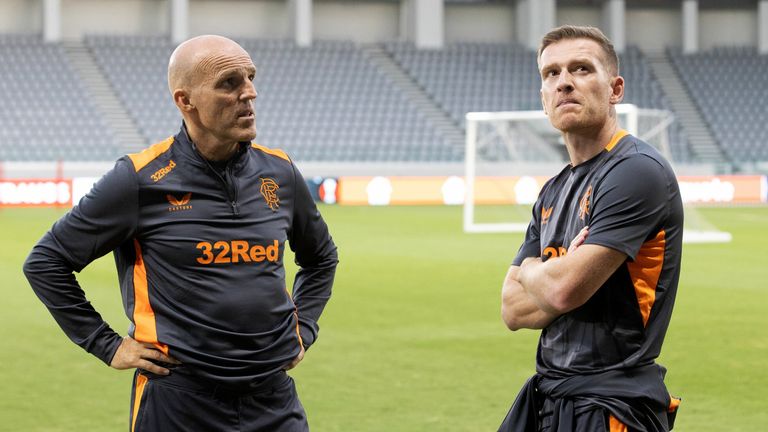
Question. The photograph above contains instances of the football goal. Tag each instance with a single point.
(509, 156)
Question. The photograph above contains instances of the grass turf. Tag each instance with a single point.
(411, 340)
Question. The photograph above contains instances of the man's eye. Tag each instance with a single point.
(228, 83)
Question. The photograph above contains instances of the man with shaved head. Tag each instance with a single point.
(198, 225)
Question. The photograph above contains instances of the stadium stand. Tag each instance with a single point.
(724, 84)
(46, 112)
(325, 103)
(466, 77)
(331, 103)
(136, 68)
(643, 89)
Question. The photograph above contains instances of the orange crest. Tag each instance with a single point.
(584, 203)
(545, 214)
(269, 191)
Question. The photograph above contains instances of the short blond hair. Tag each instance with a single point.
(583, 32)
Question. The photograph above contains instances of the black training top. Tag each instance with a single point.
(199, 253)
(629, 197)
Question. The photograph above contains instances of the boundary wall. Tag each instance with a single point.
(404, 190)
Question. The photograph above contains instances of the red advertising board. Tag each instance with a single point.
(35, 192)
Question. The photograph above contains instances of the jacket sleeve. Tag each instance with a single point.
(316, 257)
(102, 220)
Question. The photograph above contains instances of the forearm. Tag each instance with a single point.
(518, 310)
(55, 285)
(542, 282)
(562, 284)
(311, 291)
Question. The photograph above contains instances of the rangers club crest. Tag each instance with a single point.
(584, 203)
(269, 191)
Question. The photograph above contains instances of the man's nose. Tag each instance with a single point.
(250, 92)
(565, 82)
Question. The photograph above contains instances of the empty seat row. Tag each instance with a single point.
(728, 86)
(328, 96)
(46, 113)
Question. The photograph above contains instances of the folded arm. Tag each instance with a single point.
(518, 308)
(562, 284)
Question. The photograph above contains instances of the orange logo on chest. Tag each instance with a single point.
(269, 191)
(236, 251)
(179, 204)
(584, 203)
(545, 214)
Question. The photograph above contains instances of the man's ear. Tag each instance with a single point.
(543, 105)
(182, 100)
(617, 87)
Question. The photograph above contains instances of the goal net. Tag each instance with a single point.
(509, 156)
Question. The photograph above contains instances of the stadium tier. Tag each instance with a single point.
(728, 86)
(46, 113)
(325, 103)
(643, 89)
(333, 102)
(467, 77)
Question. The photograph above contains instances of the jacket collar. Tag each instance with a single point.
(188, 148)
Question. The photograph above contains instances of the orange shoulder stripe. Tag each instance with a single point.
(274, 152)
(621, 133)
(645, 271)
(144, 157)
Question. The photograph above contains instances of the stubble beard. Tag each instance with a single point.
(585, 119)
(244, 133)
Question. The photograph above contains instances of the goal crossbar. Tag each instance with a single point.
(661, 120)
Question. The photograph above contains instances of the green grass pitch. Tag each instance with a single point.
(412, 339)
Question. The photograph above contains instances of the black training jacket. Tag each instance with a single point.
(199, 254)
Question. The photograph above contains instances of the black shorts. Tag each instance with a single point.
(178, 402)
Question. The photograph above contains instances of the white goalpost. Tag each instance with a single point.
(508, 155)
